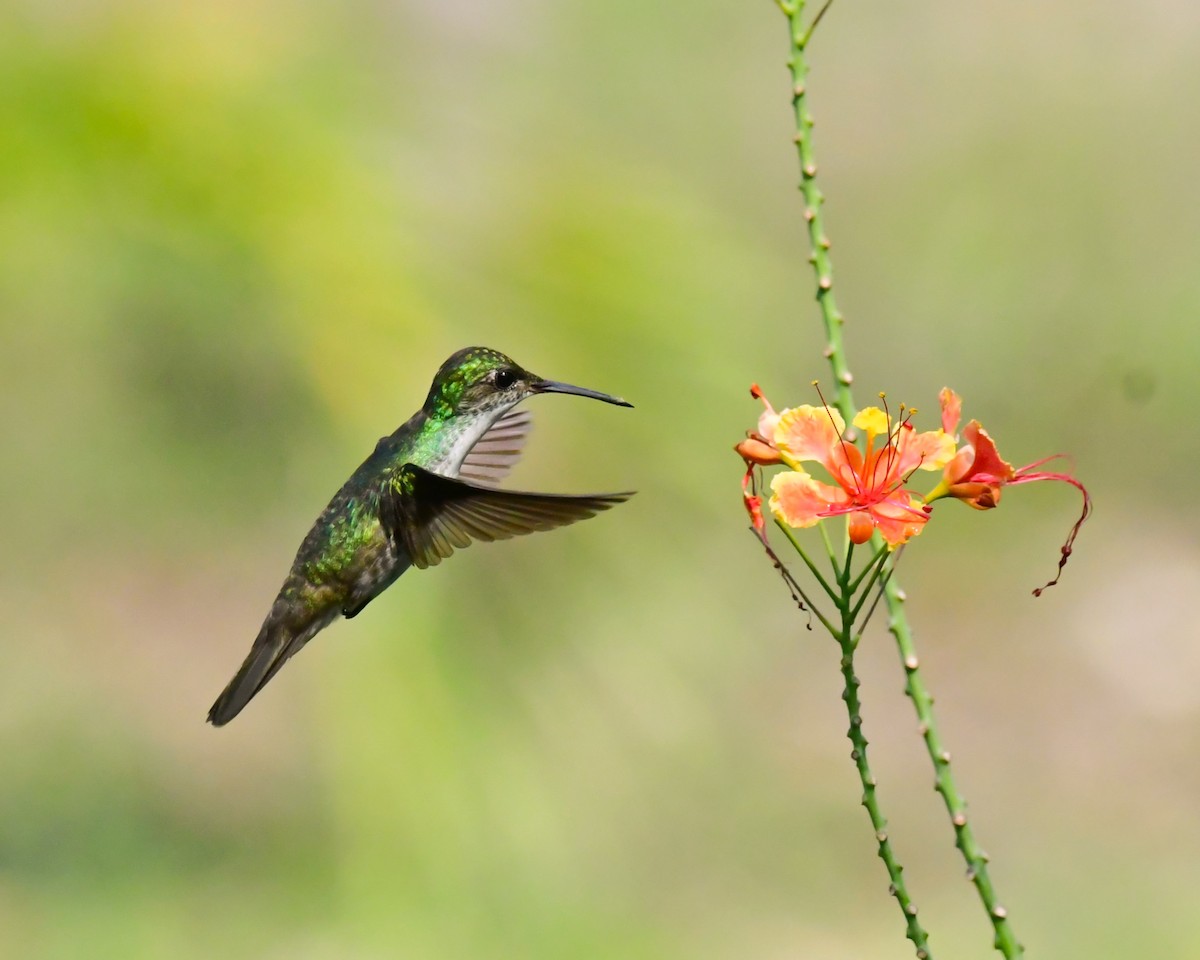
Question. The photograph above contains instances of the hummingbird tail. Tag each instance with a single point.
(275, 644)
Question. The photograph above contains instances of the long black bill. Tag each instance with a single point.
(553, 386)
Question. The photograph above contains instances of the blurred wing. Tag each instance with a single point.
(429, 515)
(495, 453)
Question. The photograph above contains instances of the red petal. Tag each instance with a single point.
(987, 462)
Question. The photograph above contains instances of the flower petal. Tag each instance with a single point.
(800, 501)
(987, 464)
(899, 517)
(809, 433)
(931, 450)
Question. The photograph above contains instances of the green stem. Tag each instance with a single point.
(880, 553)
(847, 641)
(832, 320)
(844, 576)
(878, 563)
(824, 528)
(964, 837)
(834, 595)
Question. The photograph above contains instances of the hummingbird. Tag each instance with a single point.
(427, 489)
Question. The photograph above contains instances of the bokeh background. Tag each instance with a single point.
(237, 239)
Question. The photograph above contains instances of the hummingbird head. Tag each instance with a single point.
(478, 381)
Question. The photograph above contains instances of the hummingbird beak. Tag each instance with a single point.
(553, 386)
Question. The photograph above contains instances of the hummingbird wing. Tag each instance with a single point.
(430, 515)
(495, 453)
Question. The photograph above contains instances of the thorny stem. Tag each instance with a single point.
(813, 199)
(847, 641)
(1005, 939)
(964, 837)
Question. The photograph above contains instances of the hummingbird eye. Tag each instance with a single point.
(504, 379)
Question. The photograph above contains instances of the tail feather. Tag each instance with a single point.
(272, 648)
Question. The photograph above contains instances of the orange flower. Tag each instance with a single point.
(977, 473)
(869, 484)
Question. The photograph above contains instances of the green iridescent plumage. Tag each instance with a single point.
(425, 490)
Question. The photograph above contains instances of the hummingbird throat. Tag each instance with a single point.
(452, 439)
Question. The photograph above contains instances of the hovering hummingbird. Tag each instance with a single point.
(427, 488)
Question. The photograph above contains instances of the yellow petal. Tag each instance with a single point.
(873, 420)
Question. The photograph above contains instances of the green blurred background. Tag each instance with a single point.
(237, 239)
